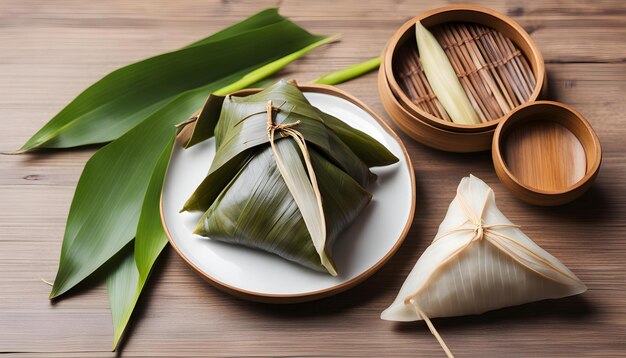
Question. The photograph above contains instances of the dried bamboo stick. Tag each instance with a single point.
(470, 72)
(516, 83)
(513, 55)
(506, 54)
(422, 97)
(504, 41)
(506, 108)
(487, 66)
(405, 78)
(490, 95)
(490, 61)
(425, 88)
(474, 91)
(522, 63)
(460, 33)
(416, 97)
(426, 97)
(502, 70)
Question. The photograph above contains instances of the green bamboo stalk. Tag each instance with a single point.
(348, 73)
(271, 68)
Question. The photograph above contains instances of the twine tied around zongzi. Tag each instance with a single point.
(287, 129)
(479, 231)
(478, 228)
(488, 232)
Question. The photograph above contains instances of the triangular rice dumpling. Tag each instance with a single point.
(260, 186)
(479, 261)
(287, 178)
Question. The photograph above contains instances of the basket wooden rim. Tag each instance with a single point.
(539, 196)
(314, 295)
(534, 57)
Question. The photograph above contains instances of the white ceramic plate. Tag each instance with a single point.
(359, 251)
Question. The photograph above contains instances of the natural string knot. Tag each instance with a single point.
(272, 127)
(479, 231)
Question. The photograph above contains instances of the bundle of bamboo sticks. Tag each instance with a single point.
(493, 72)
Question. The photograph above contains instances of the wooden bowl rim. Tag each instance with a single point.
(314, 295)
(590, 172)
(405, 101)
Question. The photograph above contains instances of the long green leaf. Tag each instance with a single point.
(303, 190)
(107, 203)
(151, 238)
(124, 286)
(126, 283)
(125, 97)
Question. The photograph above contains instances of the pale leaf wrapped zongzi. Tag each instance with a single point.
(479, 261)
(287, 178)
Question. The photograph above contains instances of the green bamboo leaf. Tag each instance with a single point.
(123, 285)
(127, 281)
(151, 238)
(125, 97)
(107, 203)
(305, 193)
(105, 211)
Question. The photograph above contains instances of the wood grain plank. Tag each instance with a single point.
(53, 50)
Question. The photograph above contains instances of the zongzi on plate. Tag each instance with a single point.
(287, 178)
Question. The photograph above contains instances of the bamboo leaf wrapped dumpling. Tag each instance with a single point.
(479, 261)
(287, 178)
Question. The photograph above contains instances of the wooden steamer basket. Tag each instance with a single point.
(428, 128)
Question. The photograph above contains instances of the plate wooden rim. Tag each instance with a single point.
(313, 295)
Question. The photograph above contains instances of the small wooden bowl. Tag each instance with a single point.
(546, 153)
(450, 14)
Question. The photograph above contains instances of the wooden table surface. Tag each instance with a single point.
(51, 50)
